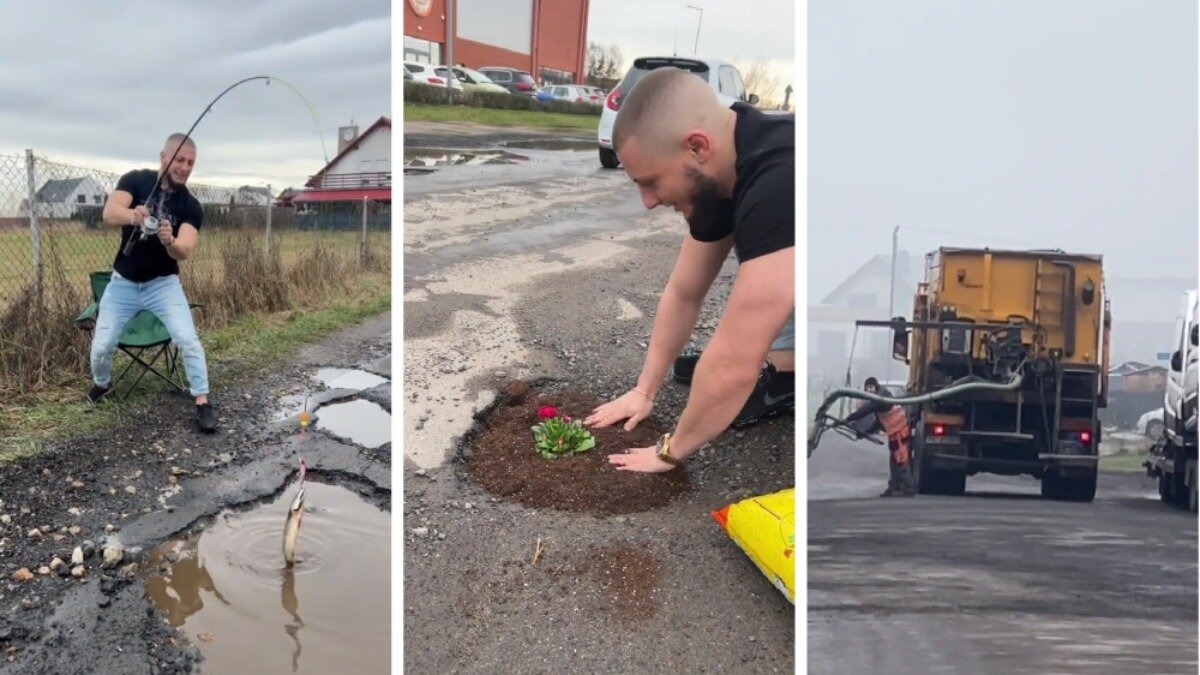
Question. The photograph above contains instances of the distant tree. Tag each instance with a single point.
(758, 79)
(604, 65)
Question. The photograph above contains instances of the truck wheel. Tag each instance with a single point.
(930, 481)
(1164, 489)
(608, 158)
(1069, 488)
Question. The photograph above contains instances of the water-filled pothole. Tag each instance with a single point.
(229, 590)
(504, 461)
(553, 144)
(426, 158)
(362, 422)
(347, 378)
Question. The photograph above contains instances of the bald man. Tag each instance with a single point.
(731, 173)
(147, 277)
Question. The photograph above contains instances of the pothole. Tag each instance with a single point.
(553, 144)
(503, 460)
(229, 590)
(426, 158)
(347, 378)
(361, 422)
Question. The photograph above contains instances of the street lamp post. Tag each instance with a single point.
(696, 46)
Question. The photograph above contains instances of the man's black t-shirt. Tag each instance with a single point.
(149, 259)
(763, 208)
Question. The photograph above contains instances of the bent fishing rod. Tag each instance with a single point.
(149, 226)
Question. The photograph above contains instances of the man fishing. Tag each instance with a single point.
(894, 422)
(146, 272)
(731, 173)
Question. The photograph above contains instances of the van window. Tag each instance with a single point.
(645, 65)
(739, 87)
(725, 81)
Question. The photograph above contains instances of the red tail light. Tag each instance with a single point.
(522, 86)
(939, 430)
(1085, 437)
(436, 80)
(612, 99)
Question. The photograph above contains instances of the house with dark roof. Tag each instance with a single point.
(62, 198)
(250, 195)
(361, 170)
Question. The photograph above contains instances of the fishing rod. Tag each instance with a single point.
(149, 225)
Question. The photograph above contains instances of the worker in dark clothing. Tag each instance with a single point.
(894, 422)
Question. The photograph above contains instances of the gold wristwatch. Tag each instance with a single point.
(663, 450)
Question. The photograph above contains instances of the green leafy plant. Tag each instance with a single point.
(556, 437)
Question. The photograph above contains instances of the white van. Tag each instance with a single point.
(1179, 402)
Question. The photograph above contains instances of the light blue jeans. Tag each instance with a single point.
(786, 341)
(162, 297)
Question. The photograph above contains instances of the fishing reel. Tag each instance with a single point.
(149, 226)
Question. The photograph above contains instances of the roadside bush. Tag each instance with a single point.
(428, 94)
(570, 107)
(495, 99)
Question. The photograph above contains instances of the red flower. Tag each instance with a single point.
(547, 412)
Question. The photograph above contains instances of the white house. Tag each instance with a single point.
(361, 169)
(62, 198)
(861, 296)
(249, 195)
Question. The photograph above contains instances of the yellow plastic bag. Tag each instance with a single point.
(765, 528)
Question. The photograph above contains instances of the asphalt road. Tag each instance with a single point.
(549, 268)
(998, 581)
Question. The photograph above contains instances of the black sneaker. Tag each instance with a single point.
(685, 366)
(774, 393)
(98, 393)
(206, 418)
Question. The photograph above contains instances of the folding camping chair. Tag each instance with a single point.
(145, 335)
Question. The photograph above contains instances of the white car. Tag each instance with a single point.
(1150, 425)
(573, 93)
(722, 76)
(424, 73)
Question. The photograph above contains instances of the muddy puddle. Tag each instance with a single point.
(362, 422)
(553, 144)
(419, 161)
(290, 405)
(230, 592)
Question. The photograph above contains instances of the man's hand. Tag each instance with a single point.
(140, 213)
(633, 406)
(165, 233)
(644, 460)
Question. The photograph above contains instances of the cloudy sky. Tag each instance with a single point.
(743, 32)
(84, 83)
(1022, 123)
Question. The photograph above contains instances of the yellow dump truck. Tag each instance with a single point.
(1035, 325)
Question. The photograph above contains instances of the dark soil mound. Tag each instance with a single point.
(505, 463)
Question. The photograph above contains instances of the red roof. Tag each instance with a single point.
(376, 195)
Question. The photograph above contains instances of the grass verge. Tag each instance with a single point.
(500, 118)
(236, 353)
(1123, 463)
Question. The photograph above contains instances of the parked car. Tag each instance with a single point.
(473, 81)
(424, 73)
(1150, 425)
(574, 93)
(722, 76)
(597, 91)
(515, 81)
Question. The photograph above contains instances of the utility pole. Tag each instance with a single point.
(696, 46)
(892, 296)
(451, 29)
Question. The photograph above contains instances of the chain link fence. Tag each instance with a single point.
(253, 255)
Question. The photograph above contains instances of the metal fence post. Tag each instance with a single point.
(270, 209)
(34, 231)
(362, 249)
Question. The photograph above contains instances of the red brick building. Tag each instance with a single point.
(547, 38)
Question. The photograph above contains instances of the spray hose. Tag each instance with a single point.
(823, 421)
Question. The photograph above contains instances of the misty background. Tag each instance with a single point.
(1069, 124)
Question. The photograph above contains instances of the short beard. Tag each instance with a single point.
(710, 212)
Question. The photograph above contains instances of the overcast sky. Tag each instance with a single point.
(742, 32)
(87, 83)
(1022, 123)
